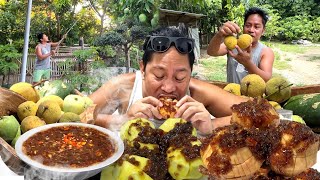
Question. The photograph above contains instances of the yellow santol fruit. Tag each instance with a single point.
(119, 171)
(49, 111)
(129, 171)
(170, 123)
(31, 122)
(180, 168)
(230, 42)
(69, 117)
(278, 89)
(110, 172)
(142, 162)
(252, 85)
(298, 119)
(52, 97)
(275, 105)
(233, 88)
(25, 109)
(244, 41)
(130, 130)
(26, 90)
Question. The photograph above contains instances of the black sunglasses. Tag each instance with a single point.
(163, 43)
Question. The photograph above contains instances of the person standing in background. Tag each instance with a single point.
(256, 59)
(42, 67)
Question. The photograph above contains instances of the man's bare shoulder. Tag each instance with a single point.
(201, 86)
(127, 78)
(116, 87)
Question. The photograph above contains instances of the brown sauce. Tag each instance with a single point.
(255, 112)
(179, 137)
(69, 146)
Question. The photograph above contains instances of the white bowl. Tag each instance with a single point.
(38, 169)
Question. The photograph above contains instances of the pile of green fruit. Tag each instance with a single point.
(276, 90)
(52, 103)
(170, 152)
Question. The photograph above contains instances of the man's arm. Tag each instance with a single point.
(55, 44)
(216, 100)
(216, 46)
(41, 56)
(112, 96)
(220, 122)
(265, 67)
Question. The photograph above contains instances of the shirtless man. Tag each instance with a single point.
(165, 71)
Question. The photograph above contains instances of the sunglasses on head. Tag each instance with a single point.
(163, 43)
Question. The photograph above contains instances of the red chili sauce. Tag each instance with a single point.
(69, 146)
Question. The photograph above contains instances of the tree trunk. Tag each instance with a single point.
(101, 26)
(127, 54)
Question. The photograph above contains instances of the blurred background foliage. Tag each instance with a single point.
(117, 27)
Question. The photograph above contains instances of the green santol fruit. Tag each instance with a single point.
(69, 117)
(13, 142)
(74, 103)
(233, 88)
(230, 42)
(278, 89)
(9, 126)
(252, 85)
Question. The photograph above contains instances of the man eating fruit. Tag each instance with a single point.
(165, 71)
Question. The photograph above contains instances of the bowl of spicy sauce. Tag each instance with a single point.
(69, 150)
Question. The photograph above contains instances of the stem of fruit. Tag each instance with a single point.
(39, 83)
(278, 90)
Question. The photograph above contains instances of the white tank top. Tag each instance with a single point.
(236, 71)
(136, 95)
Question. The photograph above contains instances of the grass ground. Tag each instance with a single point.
(297, 62)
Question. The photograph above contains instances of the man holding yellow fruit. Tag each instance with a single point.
(245, 54)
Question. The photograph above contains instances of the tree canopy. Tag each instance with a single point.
(289, 20)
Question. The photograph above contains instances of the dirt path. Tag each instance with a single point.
(302, 71)
(304, 68)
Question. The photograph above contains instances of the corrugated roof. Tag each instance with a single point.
(172, 12)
